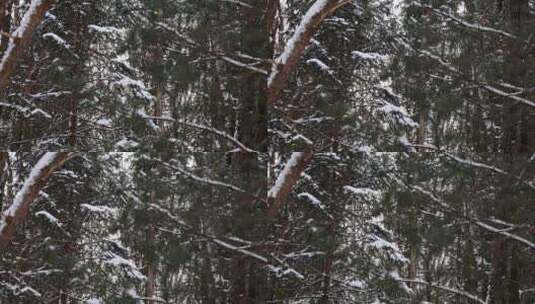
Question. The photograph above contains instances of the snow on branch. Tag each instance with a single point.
(52, 219)
(36, 180)
(286, 180)
(446, 288)
(472, 163)
(485, 86)
(286, 62)
(217, 132)
(20, 39)
(240, 250)
(207, 181)
(104, 210)
(473, 26)
(479, 222)
(505, 233)
(244, 65)
(369, 56)
(128, 265)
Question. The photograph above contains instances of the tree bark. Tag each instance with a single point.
(17, 212)
(21, 38)
(515, 139)
(286, 180)
(150, 284)
(296, 45)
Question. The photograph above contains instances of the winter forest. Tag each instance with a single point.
(267, 151)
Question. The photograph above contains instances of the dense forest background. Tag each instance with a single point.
(267, 151)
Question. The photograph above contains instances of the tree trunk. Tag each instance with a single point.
(515, 137)
(18, 210)
(21, 38)
(284, 65)
(150, 284)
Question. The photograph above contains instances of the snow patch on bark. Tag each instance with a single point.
(283, 58)
(281, 179)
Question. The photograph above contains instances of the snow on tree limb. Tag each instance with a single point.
(208, 181)
(483, 85)
(446, 288)
(35, 181)
(21, 37)
(217, 132)
(286, 180)
(479, 222)
(296, 45)
(466, 24)
(505, 233)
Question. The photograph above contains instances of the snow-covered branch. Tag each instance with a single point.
(244, 65)
(21, 37)
(217, 132)
(286, 180)
(485, 86)
(446, 288)
(36, 180)
(479, 222)
(285, 63)
(207, 181)
(473, 26)
(505, 233)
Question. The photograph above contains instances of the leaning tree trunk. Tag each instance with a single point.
(18, 210)
(20, 39)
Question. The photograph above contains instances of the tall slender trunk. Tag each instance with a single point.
(150, 284)
(515, 137)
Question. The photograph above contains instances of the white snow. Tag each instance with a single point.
(294, 255)
(241, 250)
(132, 293)
(123, 59)
(57, 39)
(362, 191)
(391, 248)
(32, 179)
(472, 163)
(280, 271)
(369, 56)
(126, 144)
(32, 10)
(281, 179)
(132, 269)
(313, 200)
(320, 64)
(401, 114)
(315, 9)
(30, 290)
(104, 122)
(204, 179)
(7, 54)
(395, 275)
(93, 301)
(356, 284)
(474, 26)
(126, 81)
(148, 119)
(101, 209)
(244, 65)
(26, 110)
(49, 216)
(103, 29)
